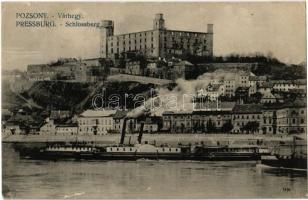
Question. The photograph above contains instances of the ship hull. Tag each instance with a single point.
(137, 156)
(291, 163)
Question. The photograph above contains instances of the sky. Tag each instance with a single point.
(276, 28)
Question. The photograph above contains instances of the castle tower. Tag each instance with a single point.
(210, 33)
(106, 30)
(159, 22)
(210, 28)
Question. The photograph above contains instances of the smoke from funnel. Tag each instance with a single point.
(180, 97)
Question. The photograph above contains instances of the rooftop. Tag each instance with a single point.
(257, 78)
(247, 108)
(97, 113)
(120, 114)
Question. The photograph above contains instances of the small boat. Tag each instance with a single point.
(291, 156)
(228, 152)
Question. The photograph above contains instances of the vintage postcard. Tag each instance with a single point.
(153, 100)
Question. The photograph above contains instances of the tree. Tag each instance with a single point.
(202, 127)
(251, 127)
(210, 126)
(195, 127)
(255, 98)
(227, 126)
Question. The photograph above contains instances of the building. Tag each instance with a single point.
(157, 42)
(246, 118)
(269, 120)
(66, 129)
(230, 86)
(265, 88)
(211, 117)
(284, 85)
(134, 68)
(268, 98)
(118, 119)
(11, 128)
(177, 121)
(291, 118)
(257, 80)
(210, 121)
(95, 122)
(59, 114)
(212, 91)
(48, 127)
(182, 69)
(244, 78)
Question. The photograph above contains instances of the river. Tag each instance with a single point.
(24, 178)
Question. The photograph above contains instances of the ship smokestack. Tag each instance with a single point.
(140, 132)
(123, 131)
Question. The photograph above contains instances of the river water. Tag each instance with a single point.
(23, 178)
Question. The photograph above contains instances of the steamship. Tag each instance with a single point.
(145, 150)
